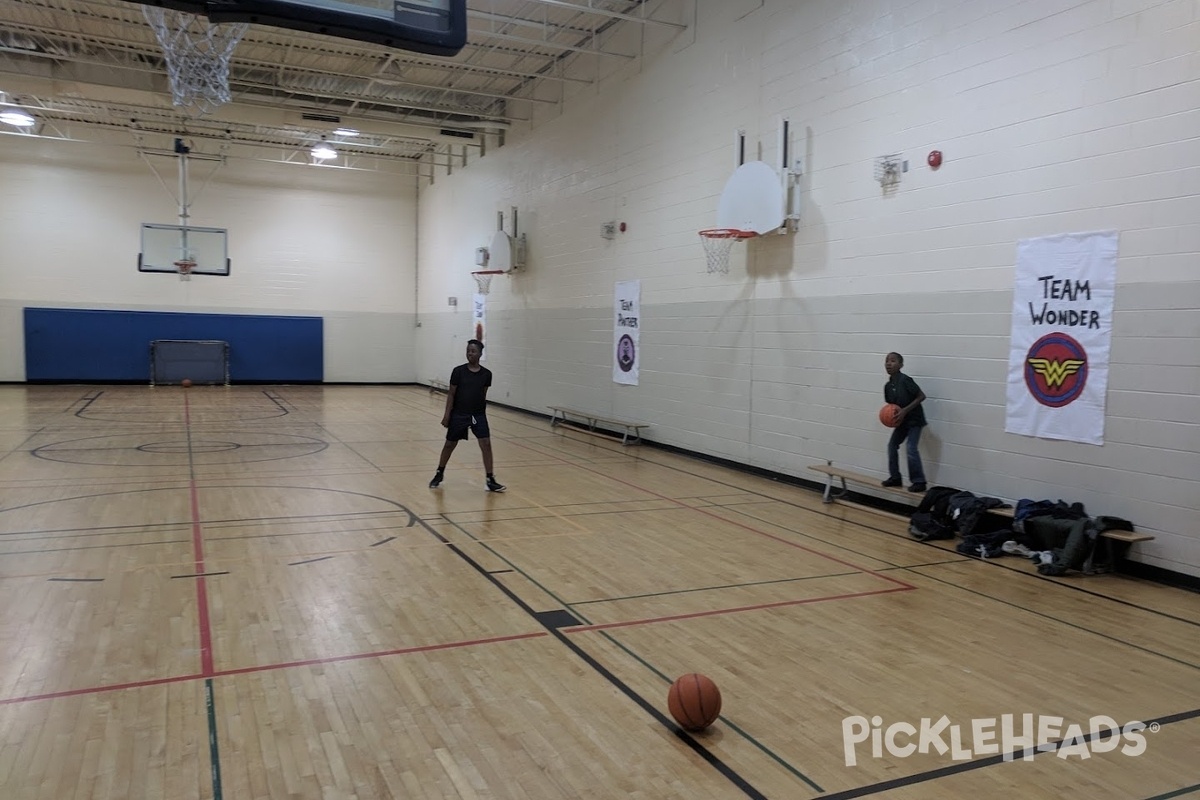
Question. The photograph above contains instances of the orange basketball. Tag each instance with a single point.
(694, 701)
(186, 382)
(889, 415)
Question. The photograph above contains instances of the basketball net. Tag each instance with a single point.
(718, 242)
(483, 280)
(185, 267)
(197, 55)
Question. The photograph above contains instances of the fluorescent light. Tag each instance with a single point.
(347, 133)
(323, 151)
(17, 118)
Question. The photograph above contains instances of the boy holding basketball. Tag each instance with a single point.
(466, 402)
(901, 390)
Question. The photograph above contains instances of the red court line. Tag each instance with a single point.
(206, 650)
(735, 523)
(424, 648)
(737, 610)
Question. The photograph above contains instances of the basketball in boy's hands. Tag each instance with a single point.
(694, 701)
(889, 415)
(186, 382)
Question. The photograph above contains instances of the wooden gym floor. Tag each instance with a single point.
(250, 592)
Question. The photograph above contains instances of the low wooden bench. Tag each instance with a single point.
(436, 385)
(562, 414)
(831, 494)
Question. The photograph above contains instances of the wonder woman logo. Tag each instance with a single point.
(1056, 370)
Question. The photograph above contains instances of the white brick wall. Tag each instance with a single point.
(303, 240)
(1054, 116)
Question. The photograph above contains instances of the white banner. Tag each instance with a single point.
(1061, 333)
(479, 321)
(627, 302)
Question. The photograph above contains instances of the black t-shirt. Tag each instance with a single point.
(471, 395)
(902, 390)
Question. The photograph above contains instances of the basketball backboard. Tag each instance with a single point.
(163, 245)
(752, 199)
(435, 27)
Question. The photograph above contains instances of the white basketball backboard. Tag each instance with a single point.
(752, 200)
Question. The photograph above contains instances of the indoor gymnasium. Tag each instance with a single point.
(543, 399)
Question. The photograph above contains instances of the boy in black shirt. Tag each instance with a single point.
(466, 404)
(904, 392)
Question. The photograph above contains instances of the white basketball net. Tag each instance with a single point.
(185, 267)
(483, 280)
(717, 245)
(197, 55)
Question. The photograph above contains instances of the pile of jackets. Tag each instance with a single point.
(1059, 536)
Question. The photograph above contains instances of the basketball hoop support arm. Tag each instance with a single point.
(184, 203)
(789, 176)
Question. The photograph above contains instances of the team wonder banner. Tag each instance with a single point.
(1061, 333)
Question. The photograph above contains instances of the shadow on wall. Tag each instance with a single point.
(773, 256)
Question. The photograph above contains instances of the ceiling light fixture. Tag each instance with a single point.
(347, 133)
(323, 151)
(17, 118)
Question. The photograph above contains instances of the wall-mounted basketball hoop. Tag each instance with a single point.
(507, 252)
(757, 199)
(185, 266)
(718, 242)
(483, 279)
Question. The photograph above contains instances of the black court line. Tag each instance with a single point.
(384, 541)
(991, 761)
(76, 580)
(89, 547)
(993, 562)
(1176, 793)
(310, 561)
(549, 621)
(200, 575)
(1044, 615)
(498, 571)
(711, 588)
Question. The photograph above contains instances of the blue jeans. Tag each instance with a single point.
(916, 473)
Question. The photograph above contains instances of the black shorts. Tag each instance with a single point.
(461, 423)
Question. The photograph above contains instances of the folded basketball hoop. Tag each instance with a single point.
(185, 267)
(483, 278)
(717, 244)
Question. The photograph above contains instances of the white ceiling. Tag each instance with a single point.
(85, 66)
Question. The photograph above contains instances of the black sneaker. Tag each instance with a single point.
(494, 486)
(917, 488)
(437, 479)
(890, 482)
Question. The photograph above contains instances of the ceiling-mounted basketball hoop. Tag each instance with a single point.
(185, 266)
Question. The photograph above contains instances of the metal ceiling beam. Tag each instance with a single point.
(590, 9)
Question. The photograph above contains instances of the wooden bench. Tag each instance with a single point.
(436, 385)
(562, 414)
(831, 494)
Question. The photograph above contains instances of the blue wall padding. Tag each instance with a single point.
(79, 345)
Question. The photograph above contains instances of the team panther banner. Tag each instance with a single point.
(1061, 332)
(627, 302)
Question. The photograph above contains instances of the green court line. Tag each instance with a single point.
(777, 759)
(213, 754)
